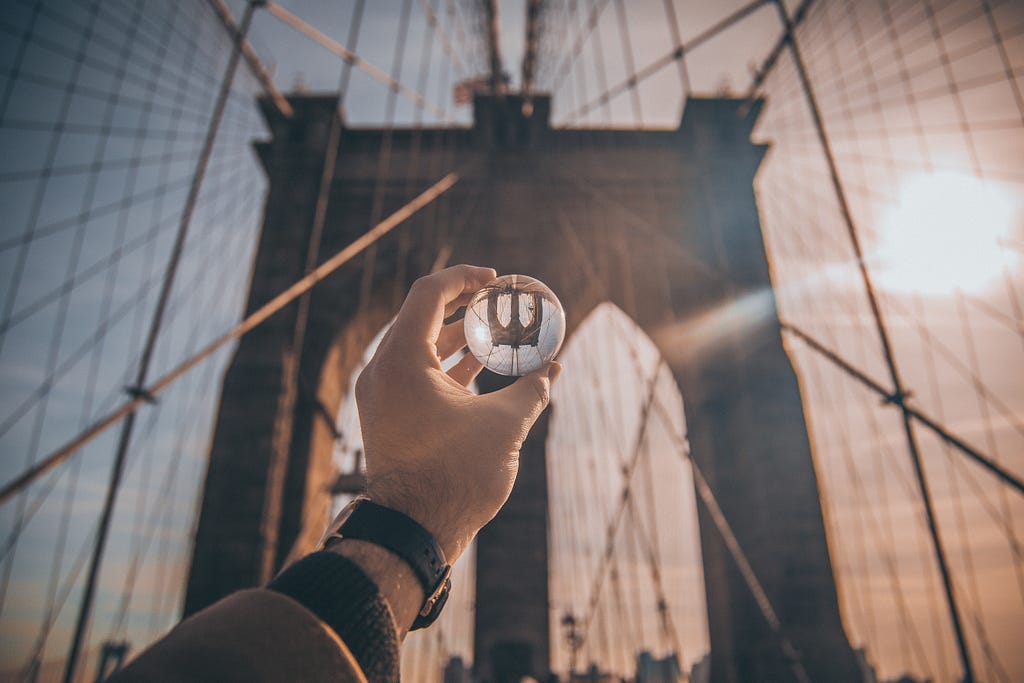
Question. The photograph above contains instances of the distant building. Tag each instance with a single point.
(593, 675)
(907, 678)
(650, 669)
(701, 671)
(456, 671)
(867, 671)
(112, 658)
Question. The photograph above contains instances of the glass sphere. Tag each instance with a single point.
(514, 325)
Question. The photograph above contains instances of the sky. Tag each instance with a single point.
(932, 177)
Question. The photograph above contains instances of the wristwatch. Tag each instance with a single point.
(364, 520)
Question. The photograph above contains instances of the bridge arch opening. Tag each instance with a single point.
(625, 566)
(648, 596)
(594, 435)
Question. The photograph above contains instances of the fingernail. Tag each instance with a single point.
(554, 370)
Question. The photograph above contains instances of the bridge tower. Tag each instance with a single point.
(662, 223)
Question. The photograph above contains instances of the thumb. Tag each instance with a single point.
(529, 395)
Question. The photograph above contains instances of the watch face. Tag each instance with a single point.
(342, 517)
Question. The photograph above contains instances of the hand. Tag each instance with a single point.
(434, 450)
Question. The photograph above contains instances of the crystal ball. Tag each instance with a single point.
(514, 325)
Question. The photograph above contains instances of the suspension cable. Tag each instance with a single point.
(145, 394)
(434, 23)
(223, 12)
(898, 391)
(679, 48)
(900, 401)
(635, 77)
(358, 62)
(592, 20)
(707, 497)
(153, 335)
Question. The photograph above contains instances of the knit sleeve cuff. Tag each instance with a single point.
(336, 590)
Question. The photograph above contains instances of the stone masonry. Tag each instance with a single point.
(664, 224)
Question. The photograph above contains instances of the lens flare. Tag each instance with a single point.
(948, 231)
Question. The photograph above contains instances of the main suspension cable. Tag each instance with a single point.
(146, 394)
(900, 401)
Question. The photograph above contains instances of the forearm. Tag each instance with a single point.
(393, 576)
(263, 636)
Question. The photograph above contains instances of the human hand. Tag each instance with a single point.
(434, 450)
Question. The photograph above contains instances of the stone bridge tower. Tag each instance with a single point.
(662, 223)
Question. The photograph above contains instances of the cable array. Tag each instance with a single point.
(132, 202)
(899, 88)
(891, 82)
(145, 117)
(105, 109)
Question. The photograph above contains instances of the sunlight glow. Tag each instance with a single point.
(947, 232)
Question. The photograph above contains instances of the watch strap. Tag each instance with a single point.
(406, 538)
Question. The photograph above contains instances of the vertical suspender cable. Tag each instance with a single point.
(383, 168)
(293, 372)
(534, 8)
(147, 354)
(627, 52)
(497, 71)
(677, 42)
(899, 394)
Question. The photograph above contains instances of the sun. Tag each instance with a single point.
(947, 232)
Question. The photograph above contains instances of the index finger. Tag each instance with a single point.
(422, 314)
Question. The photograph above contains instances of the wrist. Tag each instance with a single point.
(444, 526)
(396, 547)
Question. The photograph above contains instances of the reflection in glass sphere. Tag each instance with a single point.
(514, 325)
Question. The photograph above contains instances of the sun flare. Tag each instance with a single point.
(947, 231)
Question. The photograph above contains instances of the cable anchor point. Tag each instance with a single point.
(136, 392)
(897, 398)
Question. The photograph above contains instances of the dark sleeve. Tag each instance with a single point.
(336, 590)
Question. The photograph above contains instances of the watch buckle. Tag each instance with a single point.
(443, 583)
